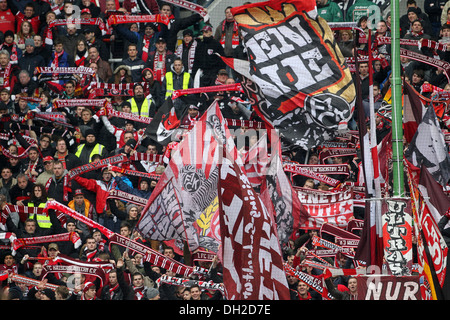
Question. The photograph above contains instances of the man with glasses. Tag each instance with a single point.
(45, 146)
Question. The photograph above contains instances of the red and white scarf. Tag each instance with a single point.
(14, 57)
(69, 236)
(235, 37)
(138, 292)
(146, 47)
(66, 187)
(5, 75)
(191, 54)
(159, 66)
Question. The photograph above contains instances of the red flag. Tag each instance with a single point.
(251, 254)
(278, 193)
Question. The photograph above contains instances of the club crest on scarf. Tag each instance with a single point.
(295, 61)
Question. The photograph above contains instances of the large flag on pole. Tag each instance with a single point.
(295, 61)
(250, 250)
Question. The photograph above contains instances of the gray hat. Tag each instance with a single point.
(29, 42)
(151, 293)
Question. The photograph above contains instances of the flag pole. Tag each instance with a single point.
(397, 122)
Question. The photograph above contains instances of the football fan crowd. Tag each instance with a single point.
(136, 67)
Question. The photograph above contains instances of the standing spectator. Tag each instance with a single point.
(135, 63)
(7, 181)
(87, 150)
(33, 165)
(7, 18)
(186, 50)
(176, 79)
(160, 60)
(21, 191)
(329, 10)
(206, 58)
(68, 159)
(433, 8)
(71, 38)
(8, 76)
(94, 40)
(176, 25)
(30, 59)
(59, 187)
(140, 104)
(104, 71)
(227, 33)
(29, 14)
(24, 33)
(48, 171)
(9, 45)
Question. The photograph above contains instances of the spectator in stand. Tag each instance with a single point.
(142, 105)
(9, 45)
(206, 58)
(160, 60)
(186, 50)
(176, 25)
(414, 13)
(30, 59)
(90, 147)
(329, 10)
(25, 32)
(29, 14)
(7, 18)
(93, 39)
(433, 8)
(176, 79)
(8, 72)
(135, 63)
(104, 70)
(22, 190)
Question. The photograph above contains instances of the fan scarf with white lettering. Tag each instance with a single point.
(69, 236)
(206, 285)
(128, 197)
(64, 70)
(96, 165)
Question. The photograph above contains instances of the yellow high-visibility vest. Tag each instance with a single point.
(169, 82)
(144, 108)
(98, 149)
(42, 219)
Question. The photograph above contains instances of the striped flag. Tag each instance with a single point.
(278, 193)
(432, 249)
(188, 186)
(250, 250)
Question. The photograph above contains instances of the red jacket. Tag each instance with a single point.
(101, 189)
(35, 22)
(7, 21)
